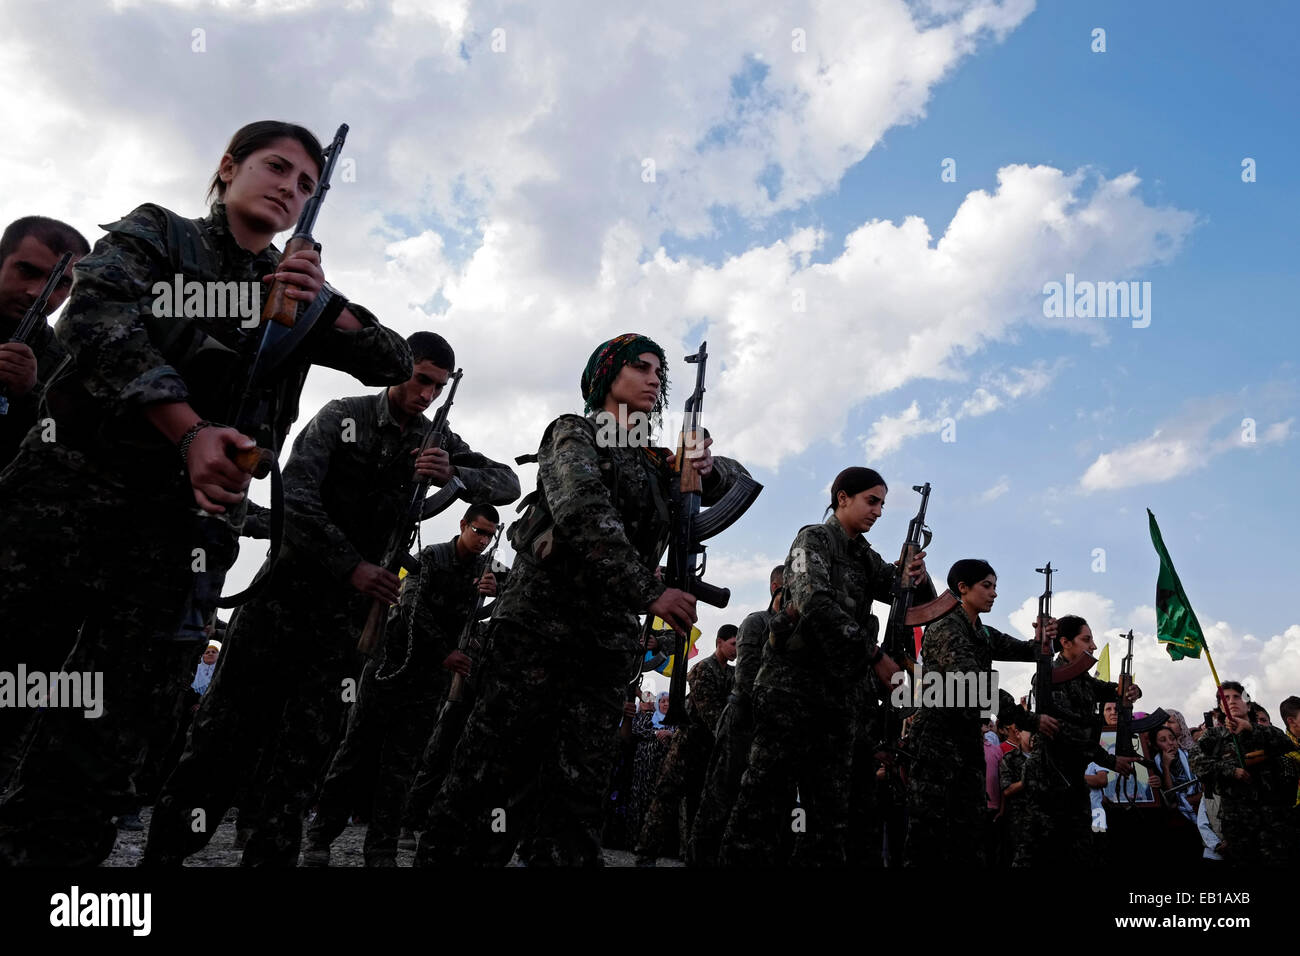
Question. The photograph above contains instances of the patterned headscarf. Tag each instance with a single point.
(608, 360)
(1185, 741)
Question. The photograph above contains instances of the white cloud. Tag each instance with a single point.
(1182, 445)
(1000, 488)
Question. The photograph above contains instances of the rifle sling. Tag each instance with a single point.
(277, 539)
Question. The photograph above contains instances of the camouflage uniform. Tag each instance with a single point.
(1255, 815)
(441, 743)
(1011, 771)
(947, 799)
(564, 646)
(289, 650)
(104, 516)
(804, 701)
(398, 702)
(24, 409)
(682, 774)
(735, 734)
(1058, 805)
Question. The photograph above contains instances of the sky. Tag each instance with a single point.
(861, 207)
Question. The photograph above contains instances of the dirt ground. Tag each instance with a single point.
(346, 850)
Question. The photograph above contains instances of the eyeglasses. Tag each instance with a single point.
(483, 532)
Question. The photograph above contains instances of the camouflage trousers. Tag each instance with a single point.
(946, 797)
(436, 759)
(1056, 813)
(727, 764)
(386, 729)
(803, 737)
(78, 544)
(547, 714)
(680, 780)
(274, 708)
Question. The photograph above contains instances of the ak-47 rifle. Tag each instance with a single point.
(34, 316)
(286, 326)
(691, 527)
(1045, 675)
(1126, 727)
(905, 614)
(403, 536)
(457, 690)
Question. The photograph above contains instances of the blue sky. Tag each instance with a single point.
(499, 198)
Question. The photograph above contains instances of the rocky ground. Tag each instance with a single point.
(346, 850)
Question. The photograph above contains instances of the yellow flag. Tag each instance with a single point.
(661, 626)
(1103, 664)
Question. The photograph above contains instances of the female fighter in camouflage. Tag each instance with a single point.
(564, 635)
(98, 513)
(809, 693)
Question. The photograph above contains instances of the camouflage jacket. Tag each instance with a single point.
(1012, 770)
(954, 645)
(1076, 705)
(710, 681)
(611, 524)
(749, 651)
(831, 580)
(350, 479)
(24, 409)
(435, 604)
(1271, 783)
(126, 357)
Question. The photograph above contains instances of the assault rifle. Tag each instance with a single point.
(403, 536)
(1126, 727)
(34, 316)
(457, 690)
(286, 326)
(691, 527)
(905, 615)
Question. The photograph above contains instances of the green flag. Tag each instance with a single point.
(1176, 624)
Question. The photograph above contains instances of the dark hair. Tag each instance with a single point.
(58, 236)
(1289, 708)
(484, 510)
(853, 481)
(431, 347)
(969, 571)
(1227, 685)
(1069, 627)
(1253, 708)
(249, 139)
(777, 575)
(727, 632)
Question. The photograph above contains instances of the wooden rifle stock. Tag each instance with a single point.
(279, 307)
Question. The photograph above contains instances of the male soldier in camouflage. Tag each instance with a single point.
(1011, 774)
(1254, 802)
(402, 690)
(1058, 807)
(564, 634)
(29, 250)
(102, 519)
(947, 796)
(289, 659)
(687, 760)
(735, 733)
(803, 703)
